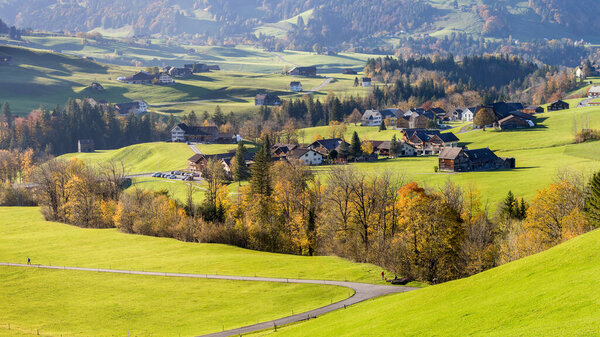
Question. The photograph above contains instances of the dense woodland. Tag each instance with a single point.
(56, 131)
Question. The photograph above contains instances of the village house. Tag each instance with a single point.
(198, 162)
(533, 109)
(558, 105)
(468, 114)
(303, 71)
(429, 142)
(280, 150)
(594, 92)
(306, 155)
(201, 134)
(165, 79)
(456, 114)
(349, 71)
(96, 87)
(136, 107)
(267, 100)
(139, 78)
(86, 146)
(325, 146)
(366, 82)
(178, 72)
(372, 118)
(579, 72)
(463, 160)
(503, 109)
(295, 86)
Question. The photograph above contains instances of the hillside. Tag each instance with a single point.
(549, 294)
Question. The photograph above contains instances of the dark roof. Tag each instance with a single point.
(329, 144)
(366, 79)
(448, 137)
(125, 107)
(385, 145)
(298, 152)
(196, 158)
(532, 107)
(267, 97)
(522, 115)
(481, 155)
(376, 143)
(295, 83)
(438, 111)
(390, 113)
(141, 76)
(86, 141)
(559, 102)
(198, 130)
(425, 135)
(504, 108)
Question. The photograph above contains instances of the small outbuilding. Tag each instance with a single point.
(558, 105)
(85, 146)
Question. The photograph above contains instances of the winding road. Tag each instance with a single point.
(362, 292)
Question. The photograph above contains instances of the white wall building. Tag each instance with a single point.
(372, 118)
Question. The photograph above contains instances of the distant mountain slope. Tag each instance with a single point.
(332, 23)
(549, 294)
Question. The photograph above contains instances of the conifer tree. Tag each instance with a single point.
(7, 114)
(355, 145)
(394, 147)
(240, 170)
(260, 182)
(382, 126)
(593, 200)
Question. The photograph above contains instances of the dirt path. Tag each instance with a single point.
(362, 292)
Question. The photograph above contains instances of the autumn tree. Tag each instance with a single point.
(484, 117)
(355, 117)
(214, 175)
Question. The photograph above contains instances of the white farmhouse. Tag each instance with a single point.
(372, 118)
(307, 156)
(594, 92)
(296, 86)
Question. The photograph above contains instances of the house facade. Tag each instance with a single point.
(533, 109)
(295, 86)
(366, 82)
(594, 92)
(307, 156)
(372, 118)
(514, 122)
(165, 79)
(85, 145)
(325, 146)
(429, 142)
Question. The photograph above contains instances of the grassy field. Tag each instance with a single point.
(73, 303)
(24, 233)
(142, 158)
(549, 294)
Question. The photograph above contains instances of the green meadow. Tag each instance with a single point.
(25, 234)
(548, 294)
(74, 303)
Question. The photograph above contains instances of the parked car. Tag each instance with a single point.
(172, 177)
(157, 175)
(177, 173)
(188, 178)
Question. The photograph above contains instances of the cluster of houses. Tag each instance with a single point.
(167, 74)
(508, 115)
(135, 107)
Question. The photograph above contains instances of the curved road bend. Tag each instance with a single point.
(362, 292)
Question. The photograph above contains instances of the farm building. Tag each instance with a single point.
(515, 122)
(203, 134)
(267, 100)
(366, 82)
(428, 142)
(303, 71)
(325, 146)
(462, 160)
(96, 86)
(86, 146)
(139, 78)
(372, 118)
(306, 155)
(533, 109)
(349, 71)
(558, 105)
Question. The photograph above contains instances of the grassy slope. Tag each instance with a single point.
(549, 294)
(24, 233)
(142, 158)
(74, 303)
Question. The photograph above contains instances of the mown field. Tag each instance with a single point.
(25, 234)
(73, 303)
(548, 294)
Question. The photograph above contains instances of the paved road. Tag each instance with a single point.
(585, 103)
(284, 60)
(194, 148)
(362, 292)
(326, 82)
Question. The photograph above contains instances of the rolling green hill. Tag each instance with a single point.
(549, 294)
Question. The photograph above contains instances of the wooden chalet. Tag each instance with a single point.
(325, 146)
(533, 109)
(512, 122)
(429, 142)
(462, 160)
(558, 105)
(267, 100)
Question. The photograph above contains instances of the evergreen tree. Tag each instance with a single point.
(593, 200)
(394, 147)
(240, 169)
(344, 151)
(382, 126)
(355, 146)
(356, 83)
(7, 114)
(219, 118)
(509, 205)
(260, 181)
